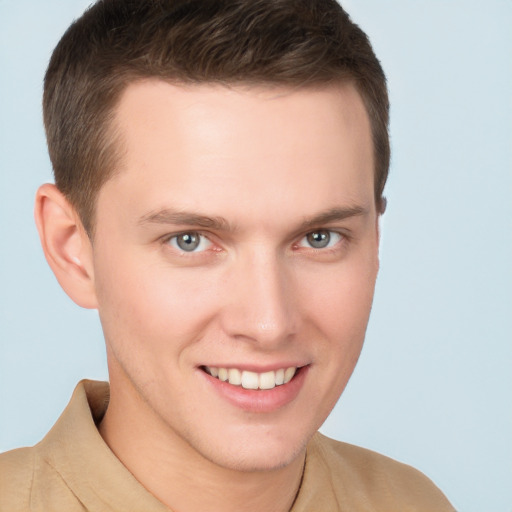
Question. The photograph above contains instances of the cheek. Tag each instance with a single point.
(339, 310)
(342, 299)
(151, 307)
(340, 313)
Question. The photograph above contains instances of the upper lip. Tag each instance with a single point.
(256, 368)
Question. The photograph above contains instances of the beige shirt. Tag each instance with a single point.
(72, 469)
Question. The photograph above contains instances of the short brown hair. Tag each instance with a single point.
(116, 42)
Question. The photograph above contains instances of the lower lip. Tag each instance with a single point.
(259, 400)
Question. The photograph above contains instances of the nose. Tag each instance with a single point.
(260, 305)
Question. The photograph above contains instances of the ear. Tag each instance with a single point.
(378, 227)
(66, 245)
(381, 209)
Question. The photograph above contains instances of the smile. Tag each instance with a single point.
(252, 380)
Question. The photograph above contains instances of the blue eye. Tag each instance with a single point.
(320, 239)
(190, 241)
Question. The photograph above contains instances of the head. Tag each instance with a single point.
(294, 43)
(220, 168)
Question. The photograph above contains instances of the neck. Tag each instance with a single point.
(180, 477)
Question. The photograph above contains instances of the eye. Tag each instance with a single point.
(191, 241)
(320, 239)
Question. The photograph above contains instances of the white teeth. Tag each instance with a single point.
(235, 377)
(267, 380)
(289, 373)
(250, 380)
(223, 374)
(253, 380)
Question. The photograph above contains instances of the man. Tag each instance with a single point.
(219, 170)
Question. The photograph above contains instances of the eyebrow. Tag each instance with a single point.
(170, 216)
(333, 215)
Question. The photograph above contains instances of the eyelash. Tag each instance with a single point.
(172, 240)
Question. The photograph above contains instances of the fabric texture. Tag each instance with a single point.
(72, 469)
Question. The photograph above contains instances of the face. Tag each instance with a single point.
(235, 257)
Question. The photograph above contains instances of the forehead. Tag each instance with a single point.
(159, 105)
(199, 144)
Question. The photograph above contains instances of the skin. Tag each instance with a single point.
(268, 165)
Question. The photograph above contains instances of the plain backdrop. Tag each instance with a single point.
(433, 387)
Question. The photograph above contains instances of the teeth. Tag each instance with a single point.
(235, 377)
(250, 380)
(288, 374)
(267, 380)
(253, 380)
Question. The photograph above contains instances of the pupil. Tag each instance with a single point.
(319, 239)
(188, 241)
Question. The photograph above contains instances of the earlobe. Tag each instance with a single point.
(66, 246)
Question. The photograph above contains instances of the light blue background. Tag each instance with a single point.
(434, 384)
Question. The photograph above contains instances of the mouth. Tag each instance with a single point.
(253, 380)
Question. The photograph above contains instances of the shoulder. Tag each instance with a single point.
(363, 462)
(353, 474)
(30, 482)
(16, 475)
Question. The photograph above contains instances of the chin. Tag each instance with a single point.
(255, 455)
(253, 463)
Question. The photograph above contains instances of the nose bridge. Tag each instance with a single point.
(261, 306)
